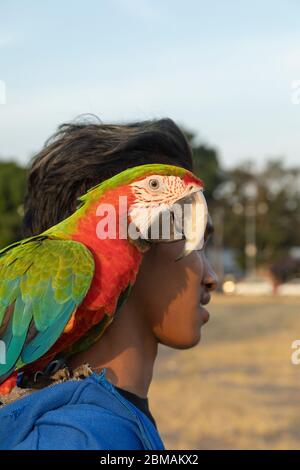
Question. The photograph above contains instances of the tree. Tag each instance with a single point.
(277, 209)
(206, 165)
(12, 188)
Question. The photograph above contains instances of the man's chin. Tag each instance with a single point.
(185, 343)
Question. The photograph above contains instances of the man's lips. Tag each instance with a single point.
(205, 299)
(204, 314)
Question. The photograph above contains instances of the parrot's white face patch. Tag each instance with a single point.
(168, 209)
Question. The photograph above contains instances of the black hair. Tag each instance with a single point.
(81, 155)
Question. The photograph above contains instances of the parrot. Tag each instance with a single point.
(61, 289)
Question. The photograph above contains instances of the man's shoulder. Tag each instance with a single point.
(87, 426)
(86, 414)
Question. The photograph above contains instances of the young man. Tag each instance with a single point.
(109, 409)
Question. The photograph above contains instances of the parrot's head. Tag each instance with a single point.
(164, 203)
(168, 205)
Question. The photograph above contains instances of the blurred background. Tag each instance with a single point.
(229, 74)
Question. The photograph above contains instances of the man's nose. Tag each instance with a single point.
(210, 280)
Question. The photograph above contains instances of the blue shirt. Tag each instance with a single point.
(87, 414)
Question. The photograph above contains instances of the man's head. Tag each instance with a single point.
(80, 156)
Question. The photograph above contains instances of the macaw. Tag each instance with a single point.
(59, 290)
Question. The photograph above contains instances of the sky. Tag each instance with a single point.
(223, 70)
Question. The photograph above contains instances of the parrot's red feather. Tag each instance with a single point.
(116, 265)
(189, 178)
(7, 386)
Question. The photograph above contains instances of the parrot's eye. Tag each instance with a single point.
(154, 184)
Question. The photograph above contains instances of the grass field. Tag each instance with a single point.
(237, 389)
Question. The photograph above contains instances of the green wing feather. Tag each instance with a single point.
(42, 282)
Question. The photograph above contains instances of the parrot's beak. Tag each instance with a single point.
(184, 220)
(192, 220)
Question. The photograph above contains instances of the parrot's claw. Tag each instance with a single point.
(82, 372)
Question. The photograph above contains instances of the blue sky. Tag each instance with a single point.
(223, 69)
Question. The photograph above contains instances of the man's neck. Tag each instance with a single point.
(127, 349)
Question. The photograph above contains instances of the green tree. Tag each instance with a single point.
(277, 207)
(206, 165)
(12, 188)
